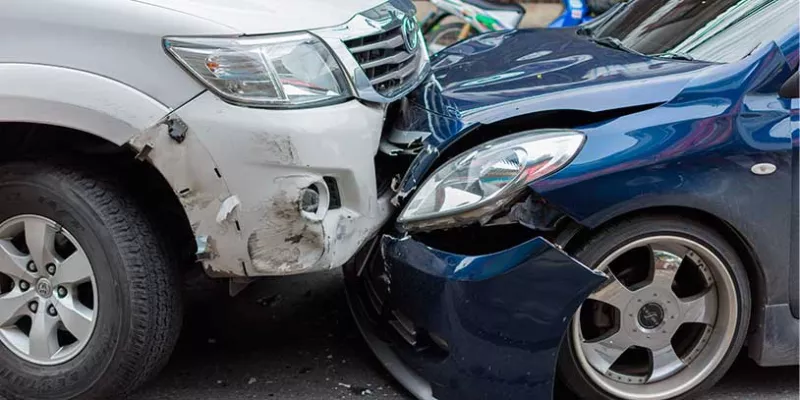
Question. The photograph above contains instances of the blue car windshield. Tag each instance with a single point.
(720, 31)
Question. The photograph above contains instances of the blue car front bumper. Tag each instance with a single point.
(452, 326)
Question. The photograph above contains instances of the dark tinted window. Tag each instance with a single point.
(709, 30)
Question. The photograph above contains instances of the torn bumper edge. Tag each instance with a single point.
(240, 174)
(451, 326)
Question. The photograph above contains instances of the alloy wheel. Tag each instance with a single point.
(661, 323)
(48, 294)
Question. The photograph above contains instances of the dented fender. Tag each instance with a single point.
(457, 326)
(209, 205)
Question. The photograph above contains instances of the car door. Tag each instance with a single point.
(790, 98)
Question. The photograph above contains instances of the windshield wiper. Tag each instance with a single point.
(615, 43)
(675, 55)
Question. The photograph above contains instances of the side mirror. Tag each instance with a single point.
(790, 88)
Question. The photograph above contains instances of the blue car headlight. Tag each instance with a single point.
(473, 186)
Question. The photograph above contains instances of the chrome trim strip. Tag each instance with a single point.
(398, 74)
(395, 59)
(395, 41)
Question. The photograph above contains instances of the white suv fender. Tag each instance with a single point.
(75, 99)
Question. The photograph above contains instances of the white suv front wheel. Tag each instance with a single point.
(89, 300)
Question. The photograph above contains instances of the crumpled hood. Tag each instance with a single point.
(269, 16)
(497, 75)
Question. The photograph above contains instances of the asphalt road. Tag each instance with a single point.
(292, 338)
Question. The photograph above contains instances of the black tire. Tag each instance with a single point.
(598, 7)
(138, 291)
(440, 30)
(609, 239)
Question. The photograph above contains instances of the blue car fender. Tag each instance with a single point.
(685, 153)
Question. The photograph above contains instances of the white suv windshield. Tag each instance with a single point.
(709, 30)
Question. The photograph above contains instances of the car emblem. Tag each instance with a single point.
(44, 288)
(410, 30)
(651, 316)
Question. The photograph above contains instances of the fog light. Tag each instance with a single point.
(309, 200)
(314, 201)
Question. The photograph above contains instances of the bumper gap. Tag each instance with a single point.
(481, 239)
(335, 201)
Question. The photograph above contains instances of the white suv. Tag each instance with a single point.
(140, 136)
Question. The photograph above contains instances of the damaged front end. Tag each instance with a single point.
(451, 326)
(268, 193)
(467, 296)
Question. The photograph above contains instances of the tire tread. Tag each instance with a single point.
(153, 282)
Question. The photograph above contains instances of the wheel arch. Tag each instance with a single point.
(21, 141)
(79, 100)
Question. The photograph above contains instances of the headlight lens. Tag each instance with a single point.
(471, 186)
(268, 71)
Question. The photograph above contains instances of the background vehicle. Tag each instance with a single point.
(482, 16)
(657, 146)
(140, 139)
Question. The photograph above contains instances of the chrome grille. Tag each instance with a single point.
(386, 61)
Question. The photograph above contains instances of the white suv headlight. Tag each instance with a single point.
(472, 186)
(282, 71)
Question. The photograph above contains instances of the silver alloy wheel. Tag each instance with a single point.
(649, 317)
(48, 294)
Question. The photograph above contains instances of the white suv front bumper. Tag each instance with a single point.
(240, 174)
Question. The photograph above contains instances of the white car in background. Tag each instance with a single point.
(140, 136)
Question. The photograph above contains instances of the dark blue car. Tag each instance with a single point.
(614, 205)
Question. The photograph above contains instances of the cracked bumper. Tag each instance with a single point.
(240, 173)
(450, 326)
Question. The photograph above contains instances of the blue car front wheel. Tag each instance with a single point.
(667, 323)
